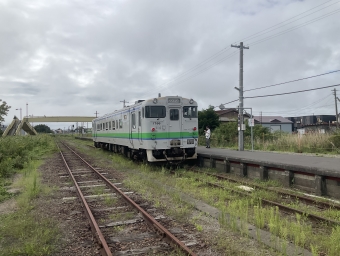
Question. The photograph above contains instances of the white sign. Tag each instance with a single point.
(251, 122)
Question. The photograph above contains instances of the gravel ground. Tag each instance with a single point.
(76, 238)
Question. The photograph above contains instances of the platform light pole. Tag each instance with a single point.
(26, 109)
(20, 112)
(240, 107)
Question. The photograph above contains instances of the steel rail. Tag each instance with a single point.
(280, 206)
(105, 251)
(147, 217)
(280, 192)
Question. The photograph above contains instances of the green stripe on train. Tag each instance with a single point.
(149, 135)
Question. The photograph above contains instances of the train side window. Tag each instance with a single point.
(174, 114)
(101, 126)
(139, 118)
(113, 125)
(116, 124)
(120, 123)
(143, 112)
(133, 120)
(109, 125)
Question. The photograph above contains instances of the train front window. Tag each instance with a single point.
(190, 112)
(155, 112)
(174, 114)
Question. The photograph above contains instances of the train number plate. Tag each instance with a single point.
(190, 141)
(174, 100)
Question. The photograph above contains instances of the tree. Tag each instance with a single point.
(41, 128)
(3, 110)
(208, 117)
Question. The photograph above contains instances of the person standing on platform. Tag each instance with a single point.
(207, 137)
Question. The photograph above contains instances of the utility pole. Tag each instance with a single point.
(336, 109)
(96, 113)
(124, 102)
(240, 89)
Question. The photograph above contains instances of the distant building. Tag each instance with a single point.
(3, 127)
(230, 115)
(275, 123)
(313, 122)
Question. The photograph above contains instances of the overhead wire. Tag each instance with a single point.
(300, 79)
(294, 28)
(272, 27)
(285, 93)
(313, 104)
(219, 53)
(279, 94)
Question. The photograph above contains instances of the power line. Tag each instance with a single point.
(292, 81)
(309, 106)
(293, 28)
(270, 95)
(219, 53)
(273, 27)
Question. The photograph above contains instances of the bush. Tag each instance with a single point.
(335, 140)
(15, 151)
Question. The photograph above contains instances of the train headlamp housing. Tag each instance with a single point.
(191, 101)
(155, 101)
(194, 128)
(153, 129)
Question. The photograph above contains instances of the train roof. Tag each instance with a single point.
(138, 102)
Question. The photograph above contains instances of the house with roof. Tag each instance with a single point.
(274, 123)
(230, 115)
(313, 122)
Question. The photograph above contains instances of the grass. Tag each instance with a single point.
(23, 232)
(245, 210)
(316, 143)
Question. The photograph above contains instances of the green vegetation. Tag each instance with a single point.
(16, 151)
(226, 136)
(24, 232)
(207, 117)
(237, 212)
(4, 108)
(42, 128)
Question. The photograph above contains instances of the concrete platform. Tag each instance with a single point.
(315, 174)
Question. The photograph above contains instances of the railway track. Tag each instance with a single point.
(120, 225)
(287, 197)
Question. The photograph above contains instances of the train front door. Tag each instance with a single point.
(140, 137)
(175, 127)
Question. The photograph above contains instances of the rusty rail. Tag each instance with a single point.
(147, 217)
(94, 225)
(280, 192)
(280, 206)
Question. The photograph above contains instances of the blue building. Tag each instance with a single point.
(275, 123)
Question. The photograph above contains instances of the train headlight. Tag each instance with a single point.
(153, 129)
(191, 101)
(155, 100)
(194, 128)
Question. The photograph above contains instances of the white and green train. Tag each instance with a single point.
(159, 129)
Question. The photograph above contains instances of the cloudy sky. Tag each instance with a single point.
(76, 57)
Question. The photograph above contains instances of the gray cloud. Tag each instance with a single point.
(78, 57)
